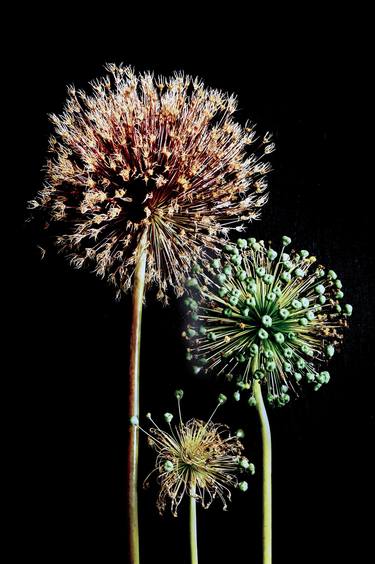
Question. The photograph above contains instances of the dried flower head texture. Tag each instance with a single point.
(155, 157)
(256, 313)
(197, 458)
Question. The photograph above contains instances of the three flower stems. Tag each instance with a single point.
(134, 370)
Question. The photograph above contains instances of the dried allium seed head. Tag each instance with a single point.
(197, 458)
(162, 158)
(259, 314)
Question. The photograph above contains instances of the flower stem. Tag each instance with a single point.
(193, 527)
(135, 346)
(267, 474)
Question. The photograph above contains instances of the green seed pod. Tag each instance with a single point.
(222, 291)
(296, 304)
(250, 301)
(284, 313)
(233, 300)
(305, 302)
(168, 417)
(287, 367)
(229, 249)
(297, 376)
(168, 466)
(244, 463)
(134, 420)
(320, 289)
(252, 401)
(330, 351)
(261, 271)
(268, 354)
(288, 353)
(245, 311)
(279, 338)
(189, 356)
(339, 295)
(241, 275)
(243, 486)
(332, 275)
(317, 387)
(286, 240)
(191, 332)
(267, 320)
(338, 284)
(227, 270)
(240, 433)
(242, 243)
(241, 358)
(271, 254)
(251, 286)
(310, 315)
(196, 369)
(211, 336)
(236, 260)
(192, 283)
(304, 321)
(202, 330)
(262, 334)
(251, 468)
(221, 278)
(237, 395)
(270, 366)
(304, 254)
(259, 374)
(268, 278)
(286, 277)
(310, 377)
(348, 309)
(322, 300)
(221, 399)
(299, 273)
(278, 291)
(301, 364)
(254, 349)
(228, 312)
(271, 296)
(179, 394)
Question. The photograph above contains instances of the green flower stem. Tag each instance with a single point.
(267, 474)
(135, 346)
(193, 527)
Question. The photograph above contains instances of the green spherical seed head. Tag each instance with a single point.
(244, 463)
(279, 338)
(168, 417)
(241, 275)
(237, 396)
(348, 309)
(305, 302)
(240, 433)
(268, 354)
(320, 289)
(192, 283)
(286, 240)
(301, 364)
(242, 243)
(310, 315)
(241, 358)
(338, 284)
(322, 300)
(221, 278)
(236, 260)
(330, 351)
(304, 321)
(268, 278)
(278, 291)
(261, 271)
(296, 304)
(332, 275)
(191, 332)
(299, 273)
(179, 394)
(262, 334)
(254, 349)
(325, 377)
(303, 254)
(216, 263)
(227, 269)
(270, 366)
(252, 401)
(286, 277)
(284, 313)
(297, 376)
(339, 295)
(168, 466)
(267, 320)
(288, 352)
(222, 292)
(259, 374)
(233, 300)
(271, 296)
(287, 367)
(271, 254)
(250, 301)
(134, 420)
(243, 486)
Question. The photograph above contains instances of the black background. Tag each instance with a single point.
(68, 378)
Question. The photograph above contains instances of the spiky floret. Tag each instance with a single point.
(161, 156)
(256, 313)
(196, 458)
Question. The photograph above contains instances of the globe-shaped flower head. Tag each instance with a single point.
(149, 163)
(259, 314)
(200, 459)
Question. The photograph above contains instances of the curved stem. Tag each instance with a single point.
(135, 346)
(267, 474)
(193, 527)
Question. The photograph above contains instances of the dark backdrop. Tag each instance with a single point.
(68, 376)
